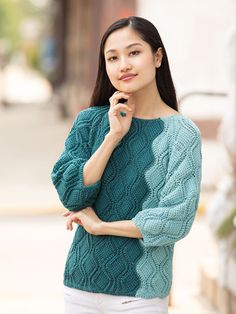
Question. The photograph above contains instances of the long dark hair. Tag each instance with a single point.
(103, 89)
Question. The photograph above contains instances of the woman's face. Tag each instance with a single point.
(130, 62)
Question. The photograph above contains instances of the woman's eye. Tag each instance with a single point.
(112, 58)
(134, 53)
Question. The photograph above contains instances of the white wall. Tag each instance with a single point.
(194, 34)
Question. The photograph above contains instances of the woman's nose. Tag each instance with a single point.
(125, 65)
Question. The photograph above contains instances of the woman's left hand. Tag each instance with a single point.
(87, 218)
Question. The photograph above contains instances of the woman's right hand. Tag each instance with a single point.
(120, 125)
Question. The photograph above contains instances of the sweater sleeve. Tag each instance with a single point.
(172, 218)
(67, 173)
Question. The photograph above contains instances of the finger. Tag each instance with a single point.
(69, 224)
(120, 107)
(118, 93)
(116, 97)
(78, 221)
(65, 214)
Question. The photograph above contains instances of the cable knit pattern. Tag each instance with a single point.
(152, 178)
(67, 172)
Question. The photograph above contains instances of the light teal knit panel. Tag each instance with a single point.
(168, 213)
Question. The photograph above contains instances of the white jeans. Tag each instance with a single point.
(83, 302)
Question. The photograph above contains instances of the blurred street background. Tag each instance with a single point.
(48, 65)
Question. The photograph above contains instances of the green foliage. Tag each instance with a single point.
(227, 228)
(10, 18)
(12, 14)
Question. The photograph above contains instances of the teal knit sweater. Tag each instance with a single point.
(152, 178)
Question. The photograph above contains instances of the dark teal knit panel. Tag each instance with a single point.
(107, 263)
(103, 264)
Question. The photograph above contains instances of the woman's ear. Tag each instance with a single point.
(158, 57)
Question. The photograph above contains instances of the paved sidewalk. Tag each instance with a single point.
(31, 264)
(31, 139)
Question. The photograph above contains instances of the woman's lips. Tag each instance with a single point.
(127, 77)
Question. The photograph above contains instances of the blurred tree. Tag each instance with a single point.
(21, 22)
(227, 228)
(10, 19)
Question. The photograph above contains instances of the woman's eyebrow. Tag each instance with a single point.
(127, 47)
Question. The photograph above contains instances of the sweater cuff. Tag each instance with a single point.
(139, 224)
(91, 187)
(83, 195)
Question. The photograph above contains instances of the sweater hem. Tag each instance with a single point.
(80, 287)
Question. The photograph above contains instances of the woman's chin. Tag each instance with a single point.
(128, 89)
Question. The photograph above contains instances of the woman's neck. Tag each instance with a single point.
(148, 103)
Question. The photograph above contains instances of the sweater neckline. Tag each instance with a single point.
(156, 119)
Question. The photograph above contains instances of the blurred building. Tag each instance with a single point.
(78, 27)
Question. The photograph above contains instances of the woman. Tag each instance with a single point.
(130, 178)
